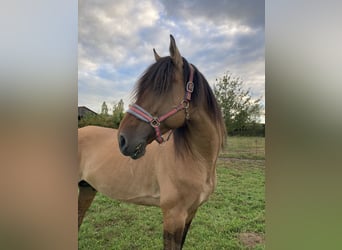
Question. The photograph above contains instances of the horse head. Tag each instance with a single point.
(162, 100)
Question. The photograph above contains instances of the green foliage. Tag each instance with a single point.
(104, 119)
(97, 120)
(236, 207)
(240, 111)
(118, 112)
(104, 109)
(250, 129)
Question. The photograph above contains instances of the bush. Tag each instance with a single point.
(102, 120)
(251, 129)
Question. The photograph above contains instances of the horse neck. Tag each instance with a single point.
(204, 136)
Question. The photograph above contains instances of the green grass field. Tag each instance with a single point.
(233, 218)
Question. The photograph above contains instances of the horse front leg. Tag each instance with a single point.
(188, 224)
(185, 231)
(173, 241)
(174, 225)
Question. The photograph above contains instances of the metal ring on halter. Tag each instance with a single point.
(155, 122)
(185, 104)
(190, 87)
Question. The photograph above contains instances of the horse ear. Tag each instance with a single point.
(156, 56)
(174, 53)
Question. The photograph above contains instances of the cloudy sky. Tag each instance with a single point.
(116, 39)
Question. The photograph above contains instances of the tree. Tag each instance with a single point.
(118, 112)
(104, 109)
(104, 119)
(239, 110)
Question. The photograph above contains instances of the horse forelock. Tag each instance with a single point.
(157, 79)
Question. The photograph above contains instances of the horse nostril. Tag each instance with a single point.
(122, 142)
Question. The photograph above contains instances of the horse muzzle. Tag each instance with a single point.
(133, 149)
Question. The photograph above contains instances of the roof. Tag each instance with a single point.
(83, 110)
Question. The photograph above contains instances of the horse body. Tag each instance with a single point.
(178, 174)
(148, 180)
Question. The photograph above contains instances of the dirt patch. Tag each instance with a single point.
(250, 240)
(231, 159)
(234, 163)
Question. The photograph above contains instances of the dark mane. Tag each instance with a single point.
(202, 95)
(158, 79)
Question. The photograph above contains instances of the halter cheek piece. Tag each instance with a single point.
(145, 116)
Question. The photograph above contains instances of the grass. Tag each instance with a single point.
(233, 218)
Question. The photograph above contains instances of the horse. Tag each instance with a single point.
(165, 150)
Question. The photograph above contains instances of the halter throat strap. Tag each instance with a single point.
(145, 116)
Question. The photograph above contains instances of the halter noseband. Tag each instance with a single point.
(145, 116)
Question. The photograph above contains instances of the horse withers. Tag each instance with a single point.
(166, 148)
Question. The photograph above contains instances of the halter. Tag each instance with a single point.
(145, 116)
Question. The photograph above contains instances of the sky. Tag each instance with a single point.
(116, 41)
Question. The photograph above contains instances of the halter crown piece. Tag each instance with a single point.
(145, 116)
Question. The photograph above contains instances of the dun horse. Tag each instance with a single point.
(176, 173)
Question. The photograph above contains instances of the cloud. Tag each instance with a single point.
(242, 12)
(116, 41)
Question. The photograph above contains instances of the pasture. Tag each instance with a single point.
(233, 217)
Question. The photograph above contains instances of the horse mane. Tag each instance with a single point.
(158, 78)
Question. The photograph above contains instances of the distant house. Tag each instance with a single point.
(82, 111)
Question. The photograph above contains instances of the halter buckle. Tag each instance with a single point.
(155, 122)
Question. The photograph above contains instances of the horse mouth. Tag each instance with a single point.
(139, 151)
